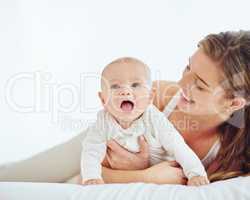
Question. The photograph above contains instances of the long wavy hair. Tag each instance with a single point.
(232, 51)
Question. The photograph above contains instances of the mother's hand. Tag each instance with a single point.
(167, 172)
(118, 157)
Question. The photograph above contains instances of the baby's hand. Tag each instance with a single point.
(93, 182)
(198, 180)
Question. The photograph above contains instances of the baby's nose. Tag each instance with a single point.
(125, 92)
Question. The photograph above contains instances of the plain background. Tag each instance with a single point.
(52, 52)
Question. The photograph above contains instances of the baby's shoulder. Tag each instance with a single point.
(102, 119)
(103, 115)
(157, 119)
(153, 113)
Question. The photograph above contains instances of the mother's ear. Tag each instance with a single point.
(237, 103)
(236, 112)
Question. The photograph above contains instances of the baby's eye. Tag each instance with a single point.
(135, 85)
(115, 86)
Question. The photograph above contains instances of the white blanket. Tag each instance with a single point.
(238, 188)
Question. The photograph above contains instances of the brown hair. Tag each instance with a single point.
(231, 50)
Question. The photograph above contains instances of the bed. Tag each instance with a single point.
(237, 188)
(43, 177)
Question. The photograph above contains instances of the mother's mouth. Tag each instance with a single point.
(185, 98)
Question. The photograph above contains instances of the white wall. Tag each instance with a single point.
(48, 47)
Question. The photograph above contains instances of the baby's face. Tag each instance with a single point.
(125, 90)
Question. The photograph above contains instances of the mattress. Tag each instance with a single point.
(237, 188)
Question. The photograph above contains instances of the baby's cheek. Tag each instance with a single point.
(143, 101)
(142, 94)
(112, 102)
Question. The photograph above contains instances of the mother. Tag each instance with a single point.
(212, 114)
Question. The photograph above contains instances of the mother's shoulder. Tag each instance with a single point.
(164, 91)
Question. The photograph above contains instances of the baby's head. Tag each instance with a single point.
(126, 88)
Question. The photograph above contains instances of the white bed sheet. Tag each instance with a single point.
(238, 188)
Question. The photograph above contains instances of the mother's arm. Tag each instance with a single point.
(135, 167)
(162, 173)
(57, 164)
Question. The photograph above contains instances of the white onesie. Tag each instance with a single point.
(165, 143)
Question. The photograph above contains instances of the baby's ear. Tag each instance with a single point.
(101, 98)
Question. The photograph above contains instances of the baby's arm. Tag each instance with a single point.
(174, 143)
(93, 153)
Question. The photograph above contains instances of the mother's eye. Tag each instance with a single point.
(200, 88)
(187, 68)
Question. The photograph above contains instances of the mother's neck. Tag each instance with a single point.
(192, 126)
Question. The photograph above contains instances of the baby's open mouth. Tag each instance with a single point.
(127, 106)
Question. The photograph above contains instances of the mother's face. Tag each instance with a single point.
(201, 90)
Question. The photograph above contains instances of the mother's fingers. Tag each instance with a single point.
(113, 160)
(105, 162)
(108, 153)
(108, 157)
(144, 147)
(116, 148)
(174, 163)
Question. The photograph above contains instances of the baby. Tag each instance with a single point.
(128, 113)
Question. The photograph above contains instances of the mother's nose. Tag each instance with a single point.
(187, 85)
(187, 82)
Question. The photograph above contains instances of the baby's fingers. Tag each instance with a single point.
(201, 182)
(193, 182)
(90, 182)
(93, 182)
(198, 181)
(205, 181)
